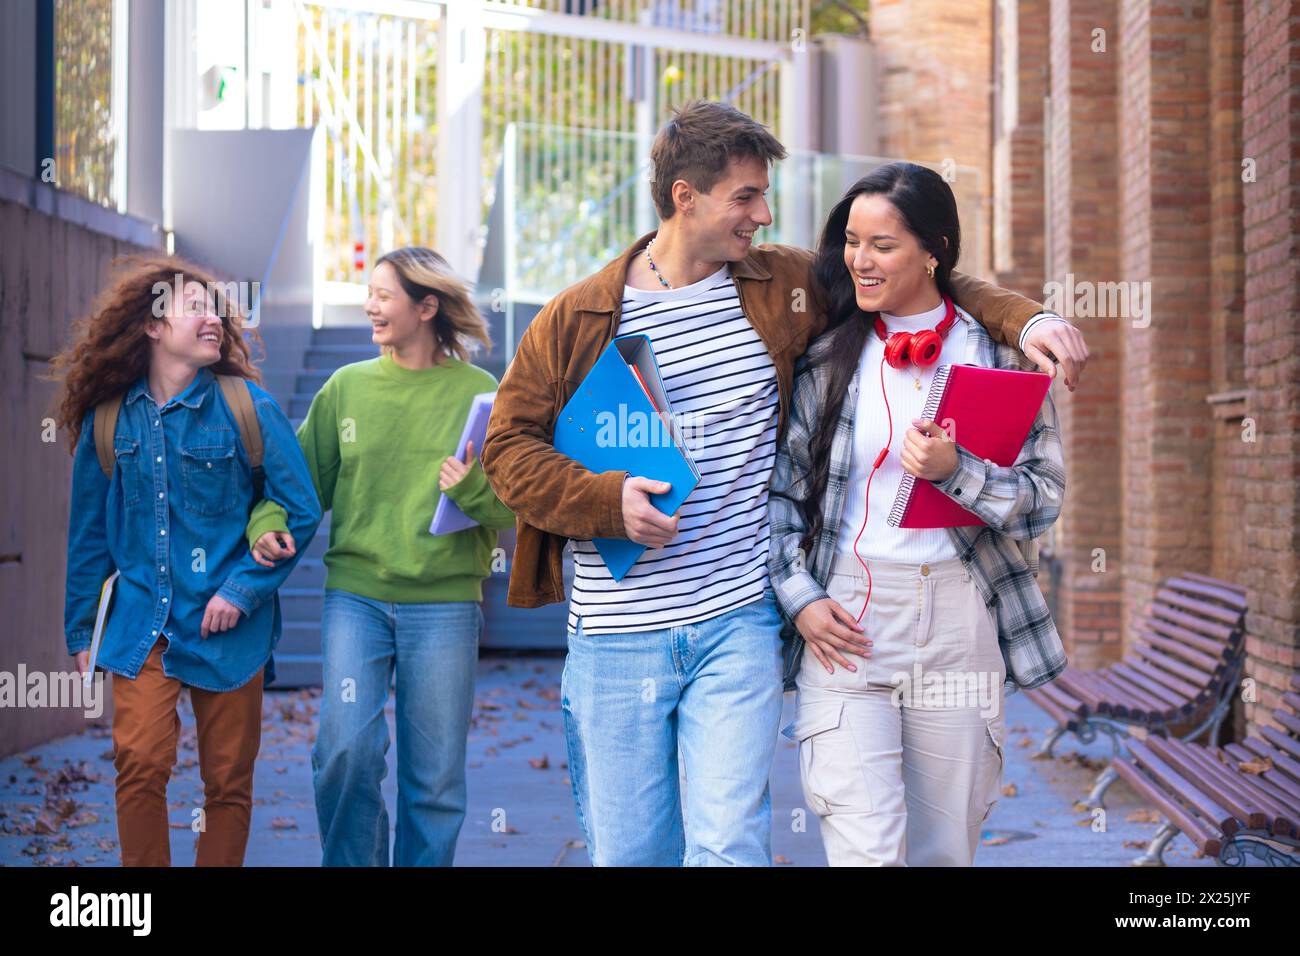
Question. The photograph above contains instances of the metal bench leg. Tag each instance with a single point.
(1098, 795)
(1053, 735)
(1154, 856)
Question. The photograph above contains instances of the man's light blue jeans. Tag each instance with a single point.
(434, 650)
(713, 689)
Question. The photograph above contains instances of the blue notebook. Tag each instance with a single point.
(619, 419)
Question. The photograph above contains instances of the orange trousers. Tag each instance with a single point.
(145, 730)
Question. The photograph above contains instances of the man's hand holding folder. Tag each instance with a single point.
(645, 523)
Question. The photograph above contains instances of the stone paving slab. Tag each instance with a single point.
(56, 801)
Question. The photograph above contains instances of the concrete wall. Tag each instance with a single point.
(52, 262)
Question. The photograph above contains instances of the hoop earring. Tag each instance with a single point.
(929, 270)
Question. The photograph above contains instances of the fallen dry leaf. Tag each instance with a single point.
(1257, 766)
(84, 818)
(539, 763)
(1143, 815)
(1009, 790)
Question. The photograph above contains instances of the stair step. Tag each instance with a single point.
(311, 382)
(334, 357)
(308, 573)
(299, 403)
(318, 545)
(297, 670)
(350, 335)
(302, 605)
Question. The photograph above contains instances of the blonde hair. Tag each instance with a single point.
(458, 323)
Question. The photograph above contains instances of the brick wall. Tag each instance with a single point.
(1271, 349)
(1183, 446)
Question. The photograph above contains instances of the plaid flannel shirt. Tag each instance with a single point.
(1017, 504)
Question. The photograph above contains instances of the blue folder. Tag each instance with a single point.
(610, 425)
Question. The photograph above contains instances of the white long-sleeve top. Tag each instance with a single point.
(870, 433)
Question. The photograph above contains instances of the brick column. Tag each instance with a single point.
(1229, 464)
(1270, 512)
(1020, 85)
(1165, 240)
(936, 62)
(1082, 241)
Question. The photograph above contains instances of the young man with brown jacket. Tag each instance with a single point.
(684, 652)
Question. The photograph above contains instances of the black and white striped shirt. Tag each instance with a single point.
(722, 386)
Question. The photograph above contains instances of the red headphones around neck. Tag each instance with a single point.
(919, 348)
(922, 350)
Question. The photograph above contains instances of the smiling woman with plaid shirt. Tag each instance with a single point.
(902, 642)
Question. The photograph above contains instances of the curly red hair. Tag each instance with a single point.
(110, 349)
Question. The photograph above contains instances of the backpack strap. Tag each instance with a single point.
(105, 426)
(235, 391)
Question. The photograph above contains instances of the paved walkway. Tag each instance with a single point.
(56, 801)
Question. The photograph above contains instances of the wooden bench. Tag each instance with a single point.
(1233, 802)
(1181, 672)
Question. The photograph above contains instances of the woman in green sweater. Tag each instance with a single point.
(380, 440)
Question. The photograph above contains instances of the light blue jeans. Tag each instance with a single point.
(713, 689)
(433, 648)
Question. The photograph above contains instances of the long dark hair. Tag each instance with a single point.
(928, 209)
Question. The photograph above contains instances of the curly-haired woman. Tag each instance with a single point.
(150, 369)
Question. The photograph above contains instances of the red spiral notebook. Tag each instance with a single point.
(988, 411)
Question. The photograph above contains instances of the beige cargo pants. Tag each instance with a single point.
(902, 761)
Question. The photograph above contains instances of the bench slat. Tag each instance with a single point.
(1288, 721)
(1187, 792)
(1287, 766)
(1219, 592)
(1179, 647)
(1148, 702)
(1081, 684)
(1194, 828)
(1175, 683)
(1281, 741)
(1215, 647)
(1202, 609)
(1292, 700)
(1117, 699)
(1062, 699)
(1282, 787)
(1159, 658)
(1284, 808)
(1049, 706)
(1239, 589)
(1201, 626)
(1230, 787)
(1155, 689)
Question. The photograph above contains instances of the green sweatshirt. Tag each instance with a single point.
(375, 438)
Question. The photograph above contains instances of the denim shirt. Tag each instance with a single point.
(171, 520)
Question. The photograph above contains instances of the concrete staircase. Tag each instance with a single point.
(298, 657)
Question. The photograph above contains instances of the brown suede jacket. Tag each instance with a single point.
(555, 498)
